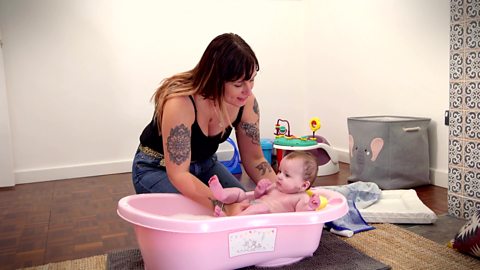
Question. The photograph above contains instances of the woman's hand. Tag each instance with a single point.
(235, 208)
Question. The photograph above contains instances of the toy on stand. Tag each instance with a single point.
(327, 158)
(315, 125)
(283, 136)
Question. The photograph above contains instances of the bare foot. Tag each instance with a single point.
(225, 195)
(216, 188)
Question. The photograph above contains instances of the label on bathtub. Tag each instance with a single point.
(252, 241)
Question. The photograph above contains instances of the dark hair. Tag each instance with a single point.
(227, 58)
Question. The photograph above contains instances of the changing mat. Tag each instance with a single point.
(398, 206)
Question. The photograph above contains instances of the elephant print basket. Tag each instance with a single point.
(391, 151)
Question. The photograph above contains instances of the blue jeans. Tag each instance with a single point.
(150, 177)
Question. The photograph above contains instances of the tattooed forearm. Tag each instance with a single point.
(178, 144)
(263, 167)
(255, 107)
(252, 131)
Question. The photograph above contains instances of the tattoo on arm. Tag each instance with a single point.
(252, 131)
(178, 144)
(263, 167)
(255, 107)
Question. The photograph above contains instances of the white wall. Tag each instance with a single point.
(80, 73)
(6, 156)
(379, 57)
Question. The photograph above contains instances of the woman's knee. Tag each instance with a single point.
(139, 189)
(154, 182)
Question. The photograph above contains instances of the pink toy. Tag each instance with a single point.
(173, 232)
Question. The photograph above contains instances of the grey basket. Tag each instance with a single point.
(391, 151)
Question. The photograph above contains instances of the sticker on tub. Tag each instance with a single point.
(252, 241)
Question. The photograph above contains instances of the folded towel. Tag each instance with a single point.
(358, 194)
(349, 224)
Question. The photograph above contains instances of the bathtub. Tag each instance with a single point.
(173, 232)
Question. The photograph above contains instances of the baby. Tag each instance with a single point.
(296, 174)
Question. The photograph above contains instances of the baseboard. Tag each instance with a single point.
(86, 170)
(343, 155)
(438, 177)
(74, 171)
(225, 154)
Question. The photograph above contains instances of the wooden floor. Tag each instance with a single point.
(70, 219)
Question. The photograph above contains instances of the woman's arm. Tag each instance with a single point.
(248, 139)
(178, 117)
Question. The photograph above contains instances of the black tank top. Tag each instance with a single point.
(203, 146)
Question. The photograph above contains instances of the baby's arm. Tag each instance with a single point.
(308, 203)
(262, 188)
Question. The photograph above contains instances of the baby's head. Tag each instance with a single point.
(308, 163)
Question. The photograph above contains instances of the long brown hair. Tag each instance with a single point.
(227, 58)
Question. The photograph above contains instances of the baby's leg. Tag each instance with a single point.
(225, 195)
(255, 209)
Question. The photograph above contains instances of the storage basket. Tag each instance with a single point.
(391, 151)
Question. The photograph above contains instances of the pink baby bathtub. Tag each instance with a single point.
(173, 232)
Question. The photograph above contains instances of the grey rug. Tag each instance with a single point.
(442, 231)
(332, 253)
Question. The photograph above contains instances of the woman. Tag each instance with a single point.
(195, 111)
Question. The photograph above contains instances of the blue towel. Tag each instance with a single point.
(352, 222)
(361, 194)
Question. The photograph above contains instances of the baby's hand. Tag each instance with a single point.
(264, 184)
(262, 187)
(314, 201)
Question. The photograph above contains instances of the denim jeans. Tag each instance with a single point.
(149, 177)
